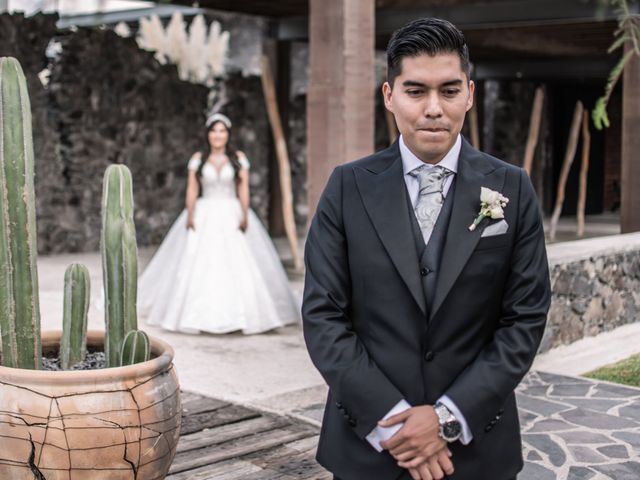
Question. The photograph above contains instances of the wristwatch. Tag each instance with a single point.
(450, 428)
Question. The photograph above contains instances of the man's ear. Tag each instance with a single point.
(472, 89)
(386, 95)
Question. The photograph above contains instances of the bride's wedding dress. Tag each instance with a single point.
(216, 278)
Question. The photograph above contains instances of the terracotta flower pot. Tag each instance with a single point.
(110, 424)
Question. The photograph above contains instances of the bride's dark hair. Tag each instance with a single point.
(206, 151)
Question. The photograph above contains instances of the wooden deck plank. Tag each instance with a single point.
(222, 416)
(195, 405)
(234, 431)
(223, 441)
(227, 470)
(295, 459)
(237, 448)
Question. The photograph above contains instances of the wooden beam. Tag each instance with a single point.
(630, 192)
(284, 169)
(570, 153)
(584, 171)
(481, 15)
(534, 130)
(340, 102)
(484, 15)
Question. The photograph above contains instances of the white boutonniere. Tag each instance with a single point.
(491, 206)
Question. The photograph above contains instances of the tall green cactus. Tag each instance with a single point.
(77, 286)
(119, 260)
(19, 302)
(135, 348)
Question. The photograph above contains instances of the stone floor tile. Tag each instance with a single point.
(570, 390)
(598, 421)
(582, 454)
(533, 471)
(535, 390)
(550, 425)
(620, 471)
(632, 438)
(534, 456)
(604, 390)
(527, 418)
(555, 379)
(614, 451)
(583, 437)
(602, 405)
(630, 411)
(580, 473)
(543, 443)
(540, 406)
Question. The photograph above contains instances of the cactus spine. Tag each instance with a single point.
(119, 260)
(19, 303)
(135, 348)
(73, 345)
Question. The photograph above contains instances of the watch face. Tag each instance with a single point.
(451, 430)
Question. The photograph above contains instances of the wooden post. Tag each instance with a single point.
(534, 130)
(566, 166)
(340, 100)
(584, 171)
(284, 169)
(630, 169)
(474, 126)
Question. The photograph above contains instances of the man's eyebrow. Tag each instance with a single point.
(414, 83)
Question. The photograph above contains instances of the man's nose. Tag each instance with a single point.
(433, 107)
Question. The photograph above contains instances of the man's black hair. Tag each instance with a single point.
(432, 36)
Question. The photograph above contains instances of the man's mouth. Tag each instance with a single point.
(434, 129)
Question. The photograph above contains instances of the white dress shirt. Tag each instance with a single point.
(409, 163)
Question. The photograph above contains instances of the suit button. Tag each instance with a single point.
(429, 356)
(493, 422)
(501, 411)
(339, 405)
(352, 422)
(424, 272)
(488, 428)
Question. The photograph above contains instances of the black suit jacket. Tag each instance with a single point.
(375, 341)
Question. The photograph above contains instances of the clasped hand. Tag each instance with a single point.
(417, 446)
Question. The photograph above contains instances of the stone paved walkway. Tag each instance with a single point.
(578, 429)
(572, 428)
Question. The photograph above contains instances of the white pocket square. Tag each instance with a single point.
(498, 228)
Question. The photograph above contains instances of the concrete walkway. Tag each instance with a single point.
(572, 428)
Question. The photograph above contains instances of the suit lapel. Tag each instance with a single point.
(383, 192)
(474, 172)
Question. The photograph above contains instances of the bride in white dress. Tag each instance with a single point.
(217, 270)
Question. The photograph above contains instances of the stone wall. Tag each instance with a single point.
(596, 287)
(107, 102)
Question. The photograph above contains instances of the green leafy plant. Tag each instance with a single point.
(628, 32)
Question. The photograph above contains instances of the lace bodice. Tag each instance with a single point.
(217, 184)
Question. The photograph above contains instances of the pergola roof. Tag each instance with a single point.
(501, 10)
(534, 37)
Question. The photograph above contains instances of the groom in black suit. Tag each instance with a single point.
(427, 286)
